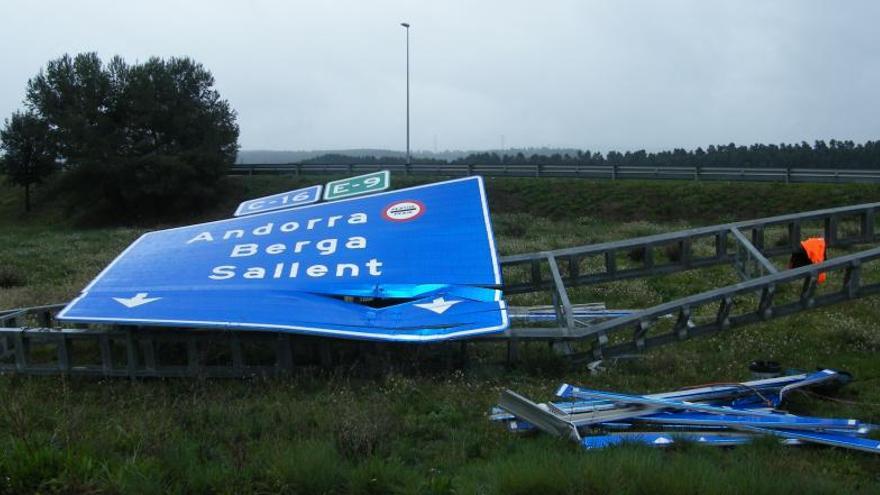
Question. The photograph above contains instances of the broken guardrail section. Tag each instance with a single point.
(719, 415)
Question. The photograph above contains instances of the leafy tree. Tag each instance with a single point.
(29, 157)
(140, 142)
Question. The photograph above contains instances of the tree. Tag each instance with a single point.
(140, 142)
(28, 158)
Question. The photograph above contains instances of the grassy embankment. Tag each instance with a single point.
(342, 430)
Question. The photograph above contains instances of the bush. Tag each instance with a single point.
(145, 189)
(141, 142)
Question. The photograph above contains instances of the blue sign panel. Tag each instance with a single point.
(281, 201)
(415, 264)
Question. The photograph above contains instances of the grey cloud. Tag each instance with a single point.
(598, 75)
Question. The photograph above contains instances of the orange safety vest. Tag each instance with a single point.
(815, 249)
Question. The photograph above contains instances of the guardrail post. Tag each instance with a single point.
(63, 355)
(722, 318)
(106, 353)
(697, 173)
(832, 225)
(130, 354)
(614, 172)
(22, 352)
(283, 354)
(470, 169)
(237, 355)
(5, 345)
(809, 290)
(538, 168)
(721, 245)
(682, 328)
(765, 305)
(851, 280)
(148, 348)
(512, 350)
(610, 263)
(325, 354)
(193, 357)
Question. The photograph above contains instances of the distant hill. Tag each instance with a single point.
(275, 156)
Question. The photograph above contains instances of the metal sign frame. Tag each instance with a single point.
(635, 332)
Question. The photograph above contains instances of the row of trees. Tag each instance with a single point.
(134, 141)
(833, 154)
(152, 140)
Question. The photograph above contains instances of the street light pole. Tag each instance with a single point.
(408, 156)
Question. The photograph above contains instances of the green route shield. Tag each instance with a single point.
(356, 186)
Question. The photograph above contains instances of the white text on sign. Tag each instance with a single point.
(324, 247)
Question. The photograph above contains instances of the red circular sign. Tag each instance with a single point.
(403, 211)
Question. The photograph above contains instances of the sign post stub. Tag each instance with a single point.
(356, 186)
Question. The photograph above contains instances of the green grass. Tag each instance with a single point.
(631, 200)
(344, 430)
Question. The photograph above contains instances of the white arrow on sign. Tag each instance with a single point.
(438, 305)
(138, 300)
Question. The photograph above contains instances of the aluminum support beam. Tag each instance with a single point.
(752, 253)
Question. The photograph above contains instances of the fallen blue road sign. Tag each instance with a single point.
(281, 201)
(833, 439)
(415, 265)
(666, 439)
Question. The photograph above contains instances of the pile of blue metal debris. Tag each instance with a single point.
(720, 415)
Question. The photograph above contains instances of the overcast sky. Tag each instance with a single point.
(586, 74)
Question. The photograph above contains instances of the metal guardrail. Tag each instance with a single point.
(755, 174)
(766, 292)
